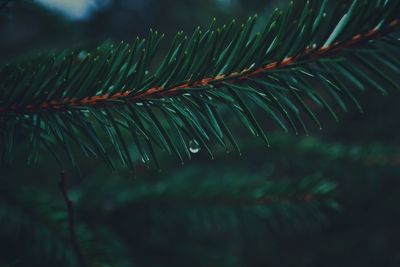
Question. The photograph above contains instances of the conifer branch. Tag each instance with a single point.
(232, 78)
(307, 56)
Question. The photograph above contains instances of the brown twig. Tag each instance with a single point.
(71, 221)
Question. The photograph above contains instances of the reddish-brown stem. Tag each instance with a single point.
(233, 78)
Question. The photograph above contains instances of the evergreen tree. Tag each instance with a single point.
(115, 120)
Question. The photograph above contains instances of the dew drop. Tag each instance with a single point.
(194, 146)
(83, 55)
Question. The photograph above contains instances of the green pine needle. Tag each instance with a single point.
(112, 98)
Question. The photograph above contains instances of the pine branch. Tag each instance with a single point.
(308, 56)
(232, 192)
(220, 196)
(157, 92)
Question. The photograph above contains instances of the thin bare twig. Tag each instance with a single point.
(71, 220)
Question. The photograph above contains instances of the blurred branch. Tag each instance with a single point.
(71, 221)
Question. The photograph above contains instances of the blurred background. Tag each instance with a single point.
(62, 23)
(234, 210)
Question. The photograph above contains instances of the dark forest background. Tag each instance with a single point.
(155, 219)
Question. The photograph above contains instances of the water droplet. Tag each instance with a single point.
(194, 146)
(83, 55)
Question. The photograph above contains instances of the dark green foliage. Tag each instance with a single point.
(223, 216)
(217, 203)
(35, 222)
(98, 103)
(303, 202)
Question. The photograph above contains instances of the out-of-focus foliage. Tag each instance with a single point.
(294, 198)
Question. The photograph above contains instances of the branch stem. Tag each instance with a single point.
(311, 54)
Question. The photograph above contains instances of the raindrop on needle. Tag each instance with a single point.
(194, 146)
